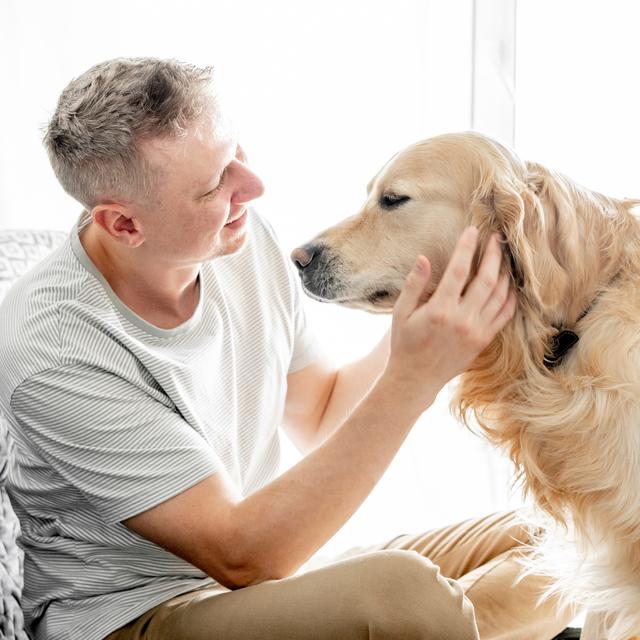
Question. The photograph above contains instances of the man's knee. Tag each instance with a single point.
(403, 595)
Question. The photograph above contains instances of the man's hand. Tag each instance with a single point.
(434, 342)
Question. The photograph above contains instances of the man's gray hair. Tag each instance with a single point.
(92, 138)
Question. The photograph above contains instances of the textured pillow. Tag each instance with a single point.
(19, 251)
(11, 623)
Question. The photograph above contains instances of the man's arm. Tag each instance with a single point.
(270, 533)
(320, 398)
(241, 541)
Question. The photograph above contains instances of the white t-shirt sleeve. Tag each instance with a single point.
(125, 450)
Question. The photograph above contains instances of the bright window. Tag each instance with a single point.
(577, 90)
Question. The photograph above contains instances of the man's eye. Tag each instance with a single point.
(220, 185)
(392, 200)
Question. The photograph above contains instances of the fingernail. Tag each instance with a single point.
(418, 266)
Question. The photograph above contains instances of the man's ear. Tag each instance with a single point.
(119, 222)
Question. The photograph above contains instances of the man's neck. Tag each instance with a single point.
(166, 297)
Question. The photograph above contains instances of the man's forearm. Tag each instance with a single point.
(353, 382)
(280, 526)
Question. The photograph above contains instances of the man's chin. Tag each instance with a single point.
(229, 246)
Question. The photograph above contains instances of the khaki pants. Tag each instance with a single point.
(423, 586)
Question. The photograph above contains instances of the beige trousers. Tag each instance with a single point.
(423, 586)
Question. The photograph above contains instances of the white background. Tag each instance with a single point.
(323, 94)
(577, 90)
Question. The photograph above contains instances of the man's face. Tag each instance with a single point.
(203, 186)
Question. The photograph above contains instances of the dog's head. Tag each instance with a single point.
(420, 202)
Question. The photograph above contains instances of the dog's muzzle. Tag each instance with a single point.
(317, 270)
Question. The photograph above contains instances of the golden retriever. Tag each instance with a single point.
(567, 414)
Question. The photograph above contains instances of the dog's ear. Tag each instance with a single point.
(557, 198)
(511, 204)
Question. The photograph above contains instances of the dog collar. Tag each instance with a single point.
(560, 345)
(562, 342)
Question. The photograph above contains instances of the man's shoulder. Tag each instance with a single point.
(31, 312)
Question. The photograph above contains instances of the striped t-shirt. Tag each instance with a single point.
(111, 415)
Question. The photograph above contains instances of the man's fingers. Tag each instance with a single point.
(497, 299)
(413, 287)
(483, 285)
(505, 314)
(457, 271)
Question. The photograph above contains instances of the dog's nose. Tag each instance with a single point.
(304, 256)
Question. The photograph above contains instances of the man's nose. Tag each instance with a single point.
(250, 189)
(307, 257)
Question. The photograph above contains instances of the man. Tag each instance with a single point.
(149, 362)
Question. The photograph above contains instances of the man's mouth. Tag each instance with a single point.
(238, 220)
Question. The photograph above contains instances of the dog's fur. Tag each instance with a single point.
(573, 431)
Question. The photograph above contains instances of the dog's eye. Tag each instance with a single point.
(392, 200)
